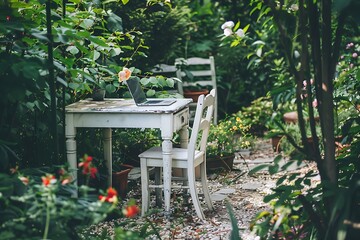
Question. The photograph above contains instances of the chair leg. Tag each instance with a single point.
(205, 186)
(194, 194)
(145, 194)
(158, 191)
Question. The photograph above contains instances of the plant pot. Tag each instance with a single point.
(275, 141)
(220, 163)
(98, 94)
(290, 117)
(120, 180)
(195, 94)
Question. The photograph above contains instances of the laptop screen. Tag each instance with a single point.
(136, 90)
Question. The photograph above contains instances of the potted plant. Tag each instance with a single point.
(98, 92)
(194, 92)
(225, 139)
(120, 178)
(275, 133)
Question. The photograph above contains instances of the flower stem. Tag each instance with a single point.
(47, 223)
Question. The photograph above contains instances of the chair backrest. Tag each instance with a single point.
(165, 69)
(201, 69)
(201, 125)
(203, 73)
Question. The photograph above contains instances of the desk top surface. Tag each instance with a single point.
(121, 105)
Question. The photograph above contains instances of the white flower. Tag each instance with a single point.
(294, 7)
(227, 32)
(240, 33)
(296, 54)
(228, 24)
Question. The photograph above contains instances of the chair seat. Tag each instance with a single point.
(179, 157)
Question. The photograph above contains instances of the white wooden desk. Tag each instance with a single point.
(123, 113)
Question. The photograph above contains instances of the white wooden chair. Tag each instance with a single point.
(165, 69)
(185, 158)
(203, 73)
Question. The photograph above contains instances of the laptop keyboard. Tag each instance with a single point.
(153, 101)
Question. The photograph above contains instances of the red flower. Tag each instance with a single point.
(131, 211)
(86, 169)
(86, 164)
(48, 179)
(7, 18)
(111, 196)
(93, 172)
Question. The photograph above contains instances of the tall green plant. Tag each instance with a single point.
(311, 33)
(89, 48)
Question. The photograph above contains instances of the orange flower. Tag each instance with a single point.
(131, 211)
(48, 179)
(124, 75)
(65, 181)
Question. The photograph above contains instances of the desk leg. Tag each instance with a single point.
(107, 138)
(70, 134)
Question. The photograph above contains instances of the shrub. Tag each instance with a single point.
(38, 204)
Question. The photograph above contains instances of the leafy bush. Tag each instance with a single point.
(228, 137)
(257, 115)
(38, 204)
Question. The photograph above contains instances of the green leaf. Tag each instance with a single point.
(273, 169)
(258, 168)
(62, 81)
(170, 82)
(114, 23)
(237, 26)
(234, 235)
(73, 86)
(115, 52)
(96, 55)
(87, 23)
(245, 29)
(110, 88)
(153, 80)
(144, 81)
(270, 197)
(72, 49)
(150, 93)
(98, 41)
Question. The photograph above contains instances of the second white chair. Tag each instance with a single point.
(185, 158)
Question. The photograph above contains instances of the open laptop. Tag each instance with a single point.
(139, 97)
